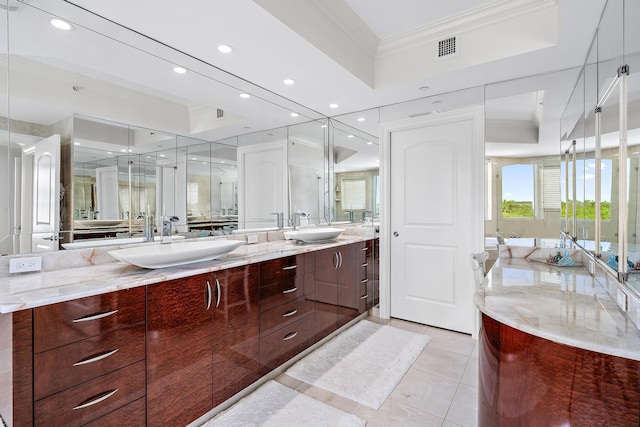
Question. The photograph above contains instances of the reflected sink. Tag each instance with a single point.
(174, 254)
(314, 234)
(93, 243)
(98, 222)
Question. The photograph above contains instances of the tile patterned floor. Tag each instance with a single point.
(440, 388)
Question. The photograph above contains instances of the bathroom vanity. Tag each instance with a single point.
(554, 349)
(115, 344)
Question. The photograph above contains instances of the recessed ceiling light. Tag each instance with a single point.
(369, 143)
(423, 88)
(225, 48)
(245, 95)
(193, 158)
(221, 161)
(123, 150)
(294, 114)
(333, 105)
(163, 155)
(180, 70)
(76, 143)
(323, 126)
(361, 119)
(60, 24)
(349, 136)
(109, 152)
(288, 81)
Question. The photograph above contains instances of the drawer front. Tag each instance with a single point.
(63, 323)
(284, 314)
(281, 269)
(66, 366)
(281, 292)
(134, 414)
(282, 345)
(93, 399)
(361, 252)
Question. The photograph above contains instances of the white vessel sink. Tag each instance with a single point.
(174, 254)
(314, 234)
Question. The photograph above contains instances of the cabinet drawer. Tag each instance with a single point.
(93, 399)
(63, 323)
(285, 291)
(133, 414)
(281, 269)
(362, 250)
(284, 314)
(66, 366)
(282, 345)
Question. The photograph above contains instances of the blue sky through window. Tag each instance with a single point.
(517, 183)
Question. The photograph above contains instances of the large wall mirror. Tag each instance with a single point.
(603, 118)
(157, 102)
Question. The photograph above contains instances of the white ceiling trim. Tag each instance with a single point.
(472, 19)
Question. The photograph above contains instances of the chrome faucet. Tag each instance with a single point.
(167, 227)
(295, 220)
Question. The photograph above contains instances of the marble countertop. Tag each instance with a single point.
(23, 291)
(562, 304)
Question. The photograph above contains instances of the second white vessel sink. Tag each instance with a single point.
(174, 254)
(314, 234)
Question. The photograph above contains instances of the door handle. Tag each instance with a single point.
(396, 234)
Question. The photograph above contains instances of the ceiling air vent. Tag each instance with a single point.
(220, 113)
(447, 48)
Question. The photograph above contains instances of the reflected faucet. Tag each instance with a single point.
(167, 227)
(279, 219)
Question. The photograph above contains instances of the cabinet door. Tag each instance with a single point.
(179, 351)
(236, 330)
(347, 286)
(325, 294)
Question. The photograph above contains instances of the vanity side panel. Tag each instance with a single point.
(22, 368)
(6, 368)
(527, 380)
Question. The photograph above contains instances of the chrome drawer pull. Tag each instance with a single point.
(288, 291)
(291, 267)
(95, 316)
(364, 280)
(218, 292)
(365, 264)
(289, 336)
(364, 249)
(102, 397)
(208, 295)
(95, 358)
(364, 296)
(290, 313)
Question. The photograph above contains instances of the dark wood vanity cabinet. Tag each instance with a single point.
(236, 330)
(286, 310)
(86, 358)
(168, 353)
(179, 350)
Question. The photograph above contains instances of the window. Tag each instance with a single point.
(518, 191)
(354, 194)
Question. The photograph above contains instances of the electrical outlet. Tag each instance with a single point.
(252, 238)
(24, 265)
(592, 267)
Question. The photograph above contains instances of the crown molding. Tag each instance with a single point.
(479, 17)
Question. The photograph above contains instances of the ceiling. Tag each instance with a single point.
(362, 54)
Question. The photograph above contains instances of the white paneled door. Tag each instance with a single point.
(46, 195)
(436, 218)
